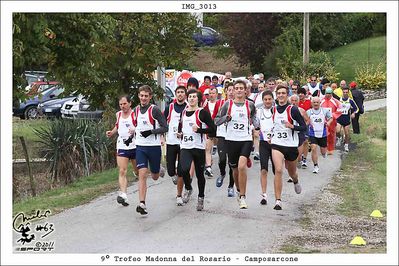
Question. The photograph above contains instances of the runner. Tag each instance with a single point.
(150, 124)
(126, 148)
(349, 109)
(320, 119)
(303, 136)
(333, 105)
(212, 106)
(264, 115)
(305, 104)
(239, 115)
(172, 114)
(195, 123)
(222, 149)
(285, 141)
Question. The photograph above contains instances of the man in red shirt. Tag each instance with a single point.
(304, 102)
(205, 85)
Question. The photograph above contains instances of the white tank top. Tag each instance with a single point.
(239, 128)
(266, 123)
(173, 123)
(346, 106)
(318, 121)
(221, 129)
(145, 122)
(191, 139)
(282, 135)
(123, 125)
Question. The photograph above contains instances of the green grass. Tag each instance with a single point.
(25, 128)
(347, 58)
(80, 192)
(365, 188)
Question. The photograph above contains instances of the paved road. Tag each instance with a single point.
(103, 226)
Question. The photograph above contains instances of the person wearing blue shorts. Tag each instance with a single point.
(125, 145)
(151, 123)
(349, 110)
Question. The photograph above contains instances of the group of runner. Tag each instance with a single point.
(280, 118)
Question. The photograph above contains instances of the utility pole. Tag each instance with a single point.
(305, 38)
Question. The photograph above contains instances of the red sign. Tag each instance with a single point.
(183, 78)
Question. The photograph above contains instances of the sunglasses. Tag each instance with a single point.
(313, 80)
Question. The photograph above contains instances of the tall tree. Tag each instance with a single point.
(251, 35)
(102, 55)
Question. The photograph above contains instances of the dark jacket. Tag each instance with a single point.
(358, 97)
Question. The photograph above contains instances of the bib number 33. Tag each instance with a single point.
(282, 135)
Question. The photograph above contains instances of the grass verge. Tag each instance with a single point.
(343, 209)
(80, 192)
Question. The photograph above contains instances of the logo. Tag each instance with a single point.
(33, 237)
(183, 78)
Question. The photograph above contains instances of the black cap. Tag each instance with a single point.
(296, 82)
(324, 81)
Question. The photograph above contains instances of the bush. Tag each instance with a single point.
(320, 64)
(63, 142)
(371, 77)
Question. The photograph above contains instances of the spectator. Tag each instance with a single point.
(205, 85)
(358, 97)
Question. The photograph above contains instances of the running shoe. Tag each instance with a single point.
(316, 170)
(256, 156)
(297, 188)
(200, 204)
(208, 171)
(187, 195)
(243, 204)
(174, 179)
(290, 180)
(122, 199)
(179, 201)
(230, 192)
(249, 163)
(219, 181)
(277, 206)
(346, 147)
(263, 201)
(142, 209)
(304, 164)
(162, 172)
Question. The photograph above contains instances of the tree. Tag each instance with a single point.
(102, 55)
(250, 35)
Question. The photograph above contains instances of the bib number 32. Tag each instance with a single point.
(238, 126)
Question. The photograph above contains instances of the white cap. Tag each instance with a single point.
(206, 91)
(220, 90)
(256, 76)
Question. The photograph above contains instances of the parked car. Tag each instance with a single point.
(168, 95)
(28, 108)
(39, 86)
(34, 76)
(206, 36)
(79, 107)
(52, 108)
(70, 108)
